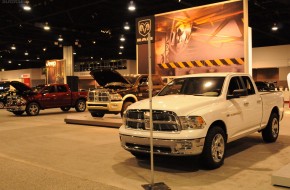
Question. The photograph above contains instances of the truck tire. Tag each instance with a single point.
(81, 106)
(271, 132)
(65, 108)
(125, 105)
(140, 155)
(1, 105)
(18, 113)
(214, 148)
(32, 109)
(97, 114)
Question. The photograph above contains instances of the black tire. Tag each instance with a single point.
(81, 106)
(32, 109)
(67, 108)
(97, 114)
(125, 106)
(18, 112)
(213, 154)
(2, 105)
(140, 155)
(271, 132)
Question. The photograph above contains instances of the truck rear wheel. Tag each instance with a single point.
(214, 148)
(125, 105)
(97, 114)
(32, 109)
(81, 106)
(65, 108)
(1, 105)
(271, 132)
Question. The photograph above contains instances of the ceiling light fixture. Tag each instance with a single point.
(120, 53)
(26, 6)
(9, 61)
(121, 47)
(126, 26)
(26, 53)
(132, 6)
(44, 49)
(13, 47)
(60, 39)
(46, 27)
(122, 39)
(275, 27)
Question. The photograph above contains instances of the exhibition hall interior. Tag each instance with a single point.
(138, 94)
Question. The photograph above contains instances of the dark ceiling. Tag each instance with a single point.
(93, 27)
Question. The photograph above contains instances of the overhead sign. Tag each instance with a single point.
(145, 25)
(50, 63)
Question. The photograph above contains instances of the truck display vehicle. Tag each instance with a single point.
(25, 99)
(199, 114)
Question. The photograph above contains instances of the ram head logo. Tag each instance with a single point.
(144, 27)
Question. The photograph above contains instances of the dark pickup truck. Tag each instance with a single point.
(117, 91)
(24, 99)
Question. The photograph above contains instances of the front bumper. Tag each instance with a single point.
(16, 108)
(105, 106)
(173, 147)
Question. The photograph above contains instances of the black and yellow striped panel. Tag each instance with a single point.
(203, 63)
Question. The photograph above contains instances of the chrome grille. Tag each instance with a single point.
(99, 96)
(162, 120)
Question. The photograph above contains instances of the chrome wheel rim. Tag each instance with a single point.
(275, 127)
(33, 109)
(82, 106)
(218, 148)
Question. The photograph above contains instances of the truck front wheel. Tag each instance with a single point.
(125, 105)
(97, 114)
(214, 148)
(32, 109)
(18, 113)
(271, 132)
(81, 106)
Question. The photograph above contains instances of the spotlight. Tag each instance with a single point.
(13, 47)
(46, 27)
(60, 39)
(131, 6)
(275, 27)
(126, 26)
(122, 38)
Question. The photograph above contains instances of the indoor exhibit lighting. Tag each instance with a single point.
(26, 7)
(126, 26)
(38, 58)
(9, 61)
(19, 64)
(94, 42)
(120, 53)
(60, 39)
(121, 47)
(44, 49)
(46, 26)
(122, 39)
(131, 6)
(26, 53)
(275, 27)
(13, 47)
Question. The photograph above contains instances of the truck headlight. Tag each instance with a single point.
(115, 97)
(192, 122)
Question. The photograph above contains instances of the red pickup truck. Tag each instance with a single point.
(24, 99)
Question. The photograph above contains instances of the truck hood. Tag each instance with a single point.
(106, 76)
(20, 87)
(182, 105)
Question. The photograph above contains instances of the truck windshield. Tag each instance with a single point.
(197, 86)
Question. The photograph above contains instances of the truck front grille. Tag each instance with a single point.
(162, 120)
(99, 96)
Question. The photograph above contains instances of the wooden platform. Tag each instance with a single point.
(282, 177)
(85, 118)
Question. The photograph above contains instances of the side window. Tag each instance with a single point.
(61, 88)
(51, 89)
(249, 85)
(143, 80)
(235, 84)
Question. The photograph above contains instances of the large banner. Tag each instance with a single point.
(55, 71)
(200, 39)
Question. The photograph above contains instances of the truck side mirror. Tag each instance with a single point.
(237, 93)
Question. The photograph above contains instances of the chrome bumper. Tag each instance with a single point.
(15, 108)
(174, 147)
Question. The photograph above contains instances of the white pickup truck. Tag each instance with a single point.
(200, 114)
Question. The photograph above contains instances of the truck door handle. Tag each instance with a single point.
(246, 103)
